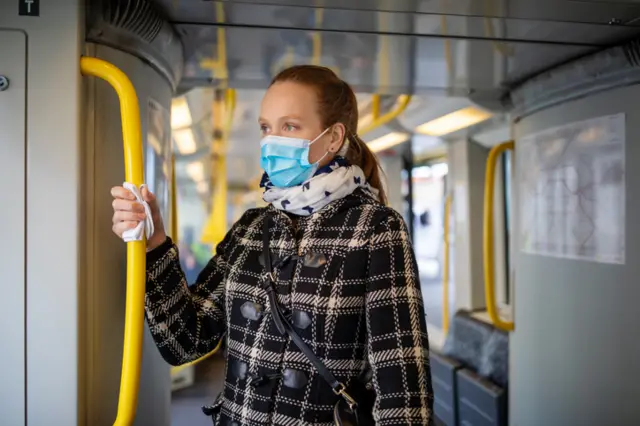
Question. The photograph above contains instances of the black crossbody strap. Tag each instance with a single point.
(284, 326)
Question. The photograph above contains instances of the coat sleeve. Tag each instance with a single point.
(186, 322)
(398, 346)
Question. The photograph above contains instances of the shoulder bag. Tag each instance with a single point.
(355, 405)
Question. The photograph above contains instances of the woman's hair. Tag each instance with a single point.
(337, 104)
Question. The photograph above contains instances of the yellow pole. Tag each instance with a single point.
(445, 267)
(489, 284)
(136, 250)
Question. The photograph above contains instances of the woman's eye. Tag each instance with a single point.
(263, 129)
(289, 127)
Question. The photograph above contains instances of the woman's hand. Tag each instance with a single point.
(127, 213)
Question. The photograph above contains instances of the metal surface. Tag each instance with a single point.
(517, 39)
(573, 362)
(13, 51)
(138, 28)
(605, 70)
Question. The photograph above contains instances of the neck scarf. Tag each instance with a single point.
(330, 183)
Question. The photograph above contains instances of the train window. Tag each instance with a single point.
(507, 171)
(428, 223)
(158, 154)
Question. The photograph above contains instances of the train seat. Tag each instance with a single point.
(470, 376)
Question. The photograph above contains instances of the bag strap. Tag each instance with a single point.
(284, 326)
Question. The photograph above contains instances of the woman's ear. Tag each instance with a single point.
(337, 135)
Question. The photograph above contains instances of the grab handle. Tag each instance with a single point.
(136, 250)
(489, 276)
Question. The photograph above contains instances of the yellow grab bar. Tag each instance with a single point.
(403, 102)
(445, 267)
(136, 250)
(489, 284)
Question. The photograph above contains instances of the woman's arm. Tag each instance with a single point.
(398, 345)
(186, 322)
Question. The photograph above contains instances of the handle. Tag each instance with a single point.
(445, 267)
(136, 250)
(489, 284)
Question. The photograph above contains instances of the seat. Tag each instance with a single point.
(470, 377)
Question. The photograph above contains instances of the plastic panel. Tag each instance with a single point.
(480, 403)
(443, 376)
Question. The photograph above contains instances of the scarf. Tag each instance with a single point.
(330, 183)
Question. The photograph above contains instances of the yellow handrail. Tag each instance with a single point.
(215, 228)
(445, 267)
(219, 64)
(489, 284)
(402, 104)
(136, 250)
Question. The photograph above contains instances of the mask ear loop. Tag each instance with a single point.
(315, 140)
(319, 136)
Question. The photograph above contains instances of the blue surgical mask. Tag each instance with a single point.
(286, 160)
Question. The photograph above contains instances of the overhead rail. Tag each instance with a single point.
(216, 226)
(445, 266)
(136, 250)
(489, 265)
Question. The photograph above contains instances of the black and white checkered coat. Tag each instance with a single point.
(351, 289)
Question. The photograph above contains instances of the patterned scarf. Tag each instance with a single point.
(330, 183)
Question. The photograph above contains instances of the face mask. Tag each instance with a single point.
(286, 160)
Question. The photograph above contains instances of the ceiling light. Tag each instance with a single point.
(454, 121)
(196, 171)
(387, 141)
(180, 113)
(185, 140)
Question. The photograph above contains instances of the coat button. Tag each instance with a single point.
(251, 311)
(315, 260)
(275, 259)
(301, 319)
(240, 369)
(295, 379)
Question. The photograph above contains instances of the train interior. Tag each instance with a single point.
(486, 116)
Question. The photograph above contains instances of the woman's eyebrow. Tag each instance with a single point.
(286, 117)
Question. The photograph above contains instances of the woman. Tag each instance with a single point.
(339, 272)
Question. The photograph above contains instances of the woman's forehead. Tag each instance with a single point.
(289, 100)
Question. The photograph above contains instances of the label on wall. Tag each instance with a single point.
(571, 189)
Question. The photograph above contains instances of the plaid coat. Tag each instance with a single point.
(351, 289)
